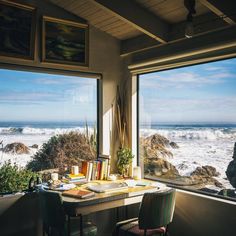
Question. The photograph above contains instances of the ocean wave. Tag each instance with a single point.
(40, 131)
(192, 134)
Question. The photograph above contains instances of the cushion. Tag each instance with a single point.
(132, 228)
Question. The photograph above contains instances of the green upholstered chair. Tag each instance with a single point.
(55, 220)
(155, 214)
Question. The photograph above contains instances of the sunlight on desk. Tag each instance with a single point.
(110, 199)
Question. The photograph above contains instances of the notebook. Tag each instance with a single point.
(101, 188)
(78, 193)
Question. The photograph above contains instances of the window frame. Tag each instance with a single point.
(161, 180)
(88, 75)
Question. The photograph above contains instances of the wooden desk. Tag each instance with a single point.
(104, 201)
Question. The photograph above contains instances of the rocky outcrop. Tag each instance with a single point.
(155, 146)
(160, 167)
(205, 175)
(231, 169)
(206, 171)
(36, 146)
(174, 145)
(16, 148)
(156, 153)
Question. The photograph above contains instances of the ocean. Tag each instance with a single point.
(30, 133)
(199, 145)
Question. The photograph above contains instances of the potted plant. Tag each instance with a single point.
(125, 157)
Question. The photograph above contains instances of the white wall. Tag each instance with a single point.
(198, 215)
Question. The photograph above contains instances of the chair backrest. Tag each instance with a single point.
(52, 209)
(157, 209)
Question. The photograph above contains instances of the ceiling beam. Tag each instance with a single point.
(223, 8)
(137, 44)
(202, 24)
(137, 16)
(203, 44)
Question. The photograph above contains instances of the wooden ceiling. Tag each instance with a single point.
(171, 11)
(99, 17)
(141, 24)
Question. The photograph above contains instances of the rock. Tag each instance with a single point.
(206, 171)
(234, 154)
(213, 191)
(16, 148)
(205, 175)
(159, 140)
(231, 169)
(174, 145)
(160, 167)
(182, 166)
(36, 146)
(218, 184)
(155, 146)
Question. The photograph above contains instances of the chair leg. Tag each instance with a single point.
(81, 225)
(145, 232)
(167, 231)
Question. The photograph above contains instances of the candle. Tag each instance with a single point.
(112, 177)
(54, 176)
(74, 170)
(137, 172)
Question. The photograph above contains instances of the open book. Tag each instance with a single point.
(102, 188)
(78, 193)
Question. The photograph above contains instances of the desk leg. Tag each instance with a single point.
(68, 225)
(81, 225)
(117, 215)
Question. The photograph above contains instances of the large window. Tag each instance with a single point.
(46, 121)
(187, 126)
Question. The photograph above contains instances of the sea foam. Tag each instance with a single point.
(199, 147)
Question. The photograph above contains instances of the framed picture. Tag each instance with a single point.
(17, 30)
(64, 42)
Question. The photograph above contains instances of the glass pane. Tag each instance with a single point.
(46, 121)
(187, 126)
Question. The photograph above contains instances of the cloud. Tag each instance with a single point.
(195, 76)
(183, 79)
(29, 97)
(63, 80)
(216, 108)
(214, 68)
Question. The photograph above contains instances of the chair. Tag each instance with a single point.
(155, 214)
(55, 220)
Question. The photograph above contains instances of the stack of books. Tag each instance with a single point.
(75, 178)
(96, 170)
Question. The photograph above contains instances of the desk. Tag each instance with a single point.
(104, 201)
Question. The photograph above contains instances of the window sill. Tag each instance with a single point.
(197, 193)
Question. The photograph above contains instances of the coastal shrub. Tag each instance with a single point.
(64, 150)
(14, 178)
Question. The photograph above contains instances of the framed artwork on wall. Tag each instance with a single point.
(64, 42)
(17, 30)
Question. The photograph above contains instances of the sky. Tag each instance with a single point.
(27, 96)
(203, 93)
